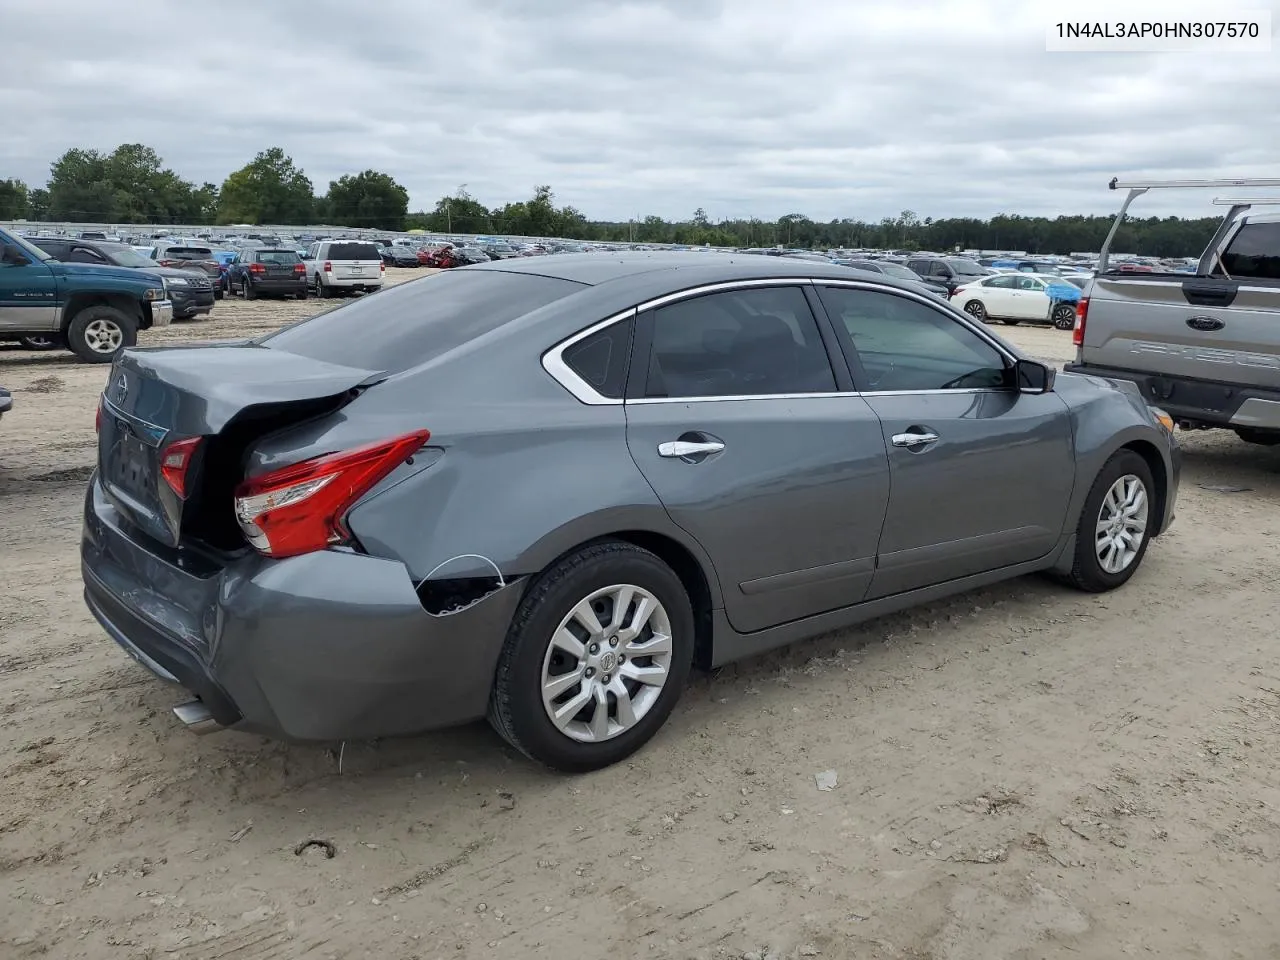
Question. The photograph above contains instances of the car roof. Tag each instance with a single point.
(675, 270)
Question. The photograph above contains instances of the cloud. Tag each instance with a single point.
(631, 107)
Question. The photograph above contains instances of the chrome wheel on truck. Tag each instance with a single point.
(595, 659)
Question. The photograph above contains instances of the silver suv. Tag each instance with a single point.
(344, 266)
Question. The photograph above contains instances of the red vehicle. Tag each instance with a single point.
(441, 256)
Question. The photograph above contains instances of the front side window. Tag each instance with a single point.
(1030, 283)
(904, 345)
(739, 343)
(1254, 253)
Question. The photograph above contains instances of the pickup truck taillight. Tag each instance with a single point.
(1082, 314)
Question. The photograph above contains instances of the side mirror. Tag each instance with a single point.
(1031, 376)
(14, 256)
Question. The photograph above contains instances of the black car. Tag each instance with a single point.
(466, 255)
(898, 272)
(951, 272)
(267, 270)
(400, 256)
(191, 291)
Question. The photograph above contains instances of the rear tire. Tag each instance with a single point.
(521, 705)
(98, 333)
(1109, 522)
(320, 289)
(976, 309)
(249, 292)
(42, 342)
(1264, 438)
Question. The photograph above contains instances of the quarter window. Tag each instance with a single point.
(601, 359)
(757, 342)
(904, 345)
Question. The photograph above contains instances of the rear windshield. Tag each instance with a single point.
(353, 251)
(188, 253)
(284, 257)
(412, 323)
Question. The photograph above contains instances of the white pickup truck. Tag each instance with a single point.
(1203, 346)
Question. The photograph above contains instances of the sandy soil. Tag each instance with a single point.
(1023, 771)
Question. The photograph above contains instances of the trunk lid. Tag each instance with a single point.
(228, 395)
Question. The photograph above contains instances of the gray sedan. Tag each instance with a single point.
(540, 489)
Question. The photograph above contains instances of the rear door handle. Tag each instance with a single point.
(675, 449)
(913, 439)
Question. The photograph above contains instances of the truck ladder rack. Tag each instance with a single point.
(1138, 187)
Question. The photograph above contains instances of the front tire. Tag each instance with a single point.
(595, 659)
(1115, 524)
(976, 309)
(98, 333)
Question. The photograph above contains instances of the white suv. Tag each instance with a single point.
(344, 265)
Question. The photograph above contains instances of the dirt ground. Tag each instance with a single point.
(1023, 771)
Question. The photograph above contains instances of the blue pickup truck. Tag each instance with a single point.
(95, 311)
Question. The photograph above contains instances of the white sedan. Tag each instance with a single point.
(1014, 297)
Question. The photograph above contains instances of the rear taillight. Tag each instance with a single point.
(384, 267)
(175, 463)
(328, 267)
(257, 268)
(299, 268)
(300, 508)
(1082, 314)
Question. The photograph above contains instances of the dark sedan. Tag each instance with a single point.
(399, 256)
(192, 292)
(540, 490)
(268, 271)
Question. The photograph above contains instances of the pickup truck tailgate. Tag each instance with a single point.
(1194, 327)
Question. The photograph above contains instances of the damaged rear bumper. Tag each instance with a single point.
(332, 645)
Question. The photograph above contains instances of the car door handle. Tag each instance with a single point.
(913, 439)
(687, 448)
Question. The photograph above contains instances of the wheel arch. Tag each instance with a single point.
(686, 560)
(1159, 473)
(78, 302)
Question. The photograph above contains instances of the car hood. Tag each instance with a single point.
(113, 273)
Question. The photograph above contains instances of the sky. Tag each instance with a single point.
(830, 108)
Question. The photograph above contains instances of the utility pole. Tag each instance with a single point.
(448, 215)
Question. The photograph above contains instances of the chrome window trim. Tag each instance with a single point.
(553, 359)
(562, 373)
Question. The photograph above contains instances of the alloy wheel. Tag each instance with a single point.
(607, 663)
(1122, 524)
(103, 336)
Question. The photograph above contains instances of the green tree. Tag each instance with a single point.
(38, 204)
(368, 199)
(14, 200)
(460, 213)
(268, 189)
(130, 184)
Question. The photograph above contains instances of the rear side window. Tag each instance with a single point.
(601, 359)
(759, 342)
(410, 324)
(353, 251)
(1255, 252)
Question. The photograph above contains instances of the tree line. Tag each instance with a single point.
(131, 185)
